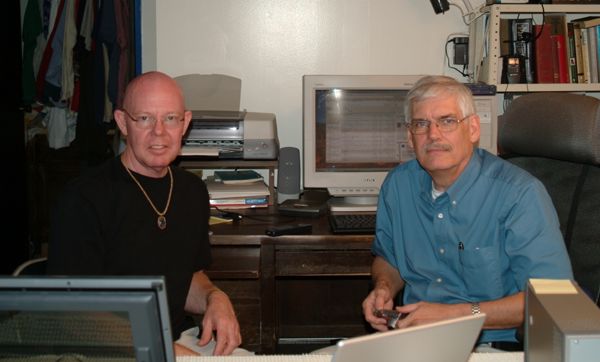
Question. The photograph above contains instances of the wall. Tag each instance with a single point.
(270, 44)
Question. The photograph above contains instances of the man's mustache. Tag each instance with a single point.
(437, 147)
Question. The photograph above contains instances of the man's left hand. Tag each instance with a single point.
(424, 313)
(220, 317)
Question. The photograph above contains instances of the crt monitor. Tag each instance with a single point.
(353, 135)
(89, 318)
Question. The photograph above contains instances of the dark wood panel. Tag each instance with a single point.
(324, 307)
(234, 262)
(245, 296)
(295, 287)
(241, 289)
(319, 262)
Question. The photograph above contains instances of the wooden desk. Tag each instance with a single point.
(293, 289)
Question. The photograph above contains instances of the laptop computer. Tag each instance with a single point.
(93, 317)
(448, 340)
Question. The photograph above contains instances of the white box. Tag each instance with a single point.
(562, 323)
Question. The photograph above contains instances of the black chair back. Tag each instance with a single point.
(556, 137)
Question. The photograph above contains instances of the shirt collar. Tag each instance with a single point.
(459, 188)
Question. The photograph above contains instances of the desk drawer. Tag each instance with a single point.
(234, 262)
(323, 262)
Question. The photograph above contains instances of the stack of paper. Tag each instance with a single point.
(237, 195)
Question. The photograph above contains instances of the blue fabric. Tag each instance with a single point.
(501, 216)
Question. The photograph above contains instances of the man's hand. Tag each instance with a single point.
(388, 283)
(379, 298)
(220, 317)
(424, 313)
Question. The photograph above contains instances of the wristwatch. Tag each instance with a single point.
(475, 308)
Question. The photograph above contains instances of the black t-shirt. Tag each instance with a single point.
(104, 225)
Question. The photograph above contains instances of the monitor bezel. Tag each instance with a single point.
(311, 83)
(142, 298)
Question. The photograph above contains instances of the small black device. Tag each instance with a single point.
(440, 6)
(303, 208)
(512, 70)
(391, 316)
(292, 229)
(461, 50)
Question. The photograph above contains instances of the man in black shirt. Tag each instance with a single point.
(139, 215)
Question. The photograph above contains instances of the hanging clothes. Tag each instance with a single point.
(46, 59)
(32, 29)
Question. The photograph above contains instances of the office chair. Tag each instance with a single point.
(556, 137)
(35, 266)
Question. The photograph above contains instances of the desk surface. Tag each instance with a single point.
(475, 357)
(250, 230)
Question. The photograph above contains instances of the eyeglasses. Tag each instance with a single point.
(445, 124)
(147, 121)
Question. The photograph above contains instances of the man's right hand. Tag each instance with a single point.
(377, 299)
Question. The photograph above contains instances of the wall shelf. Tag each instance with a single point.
(204, 163)
(484, 46)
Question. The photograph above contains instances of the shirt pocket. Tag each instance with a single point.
(481, 271)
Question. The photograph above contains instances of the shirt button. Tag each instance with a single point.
(439, 280)
(442, 251)
(454, 203)
(440, 215)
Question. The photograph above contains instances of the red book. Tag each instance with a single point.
(544, 69)
(560, 56)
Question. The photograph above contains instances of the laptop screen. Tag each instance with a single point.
(97, 317)
(447, 340)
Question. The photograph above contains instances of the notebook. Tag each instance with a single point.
(449, 340)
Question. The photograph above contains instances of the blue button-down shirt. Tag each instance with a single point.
(481, 240)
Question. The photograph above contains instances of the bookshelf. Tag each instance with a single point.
(203, 163)
(484, 45)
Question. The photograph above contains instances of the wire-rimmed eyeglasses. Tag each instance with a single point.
(148, 121)
(444, 124)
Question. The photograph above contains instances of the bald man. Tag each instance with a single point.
(139, 215)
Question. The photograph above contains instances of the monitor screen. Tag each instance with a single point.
(51, 318)
(353, 135)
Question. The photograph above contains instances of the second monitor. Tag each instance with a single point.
(354, 134)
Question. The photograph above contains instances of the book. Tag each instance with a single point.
(560, 58)
(578, 53)
(559, 35)
(593, 53)
(571, 48)
(588, 21)
(505, 37)
(220, 190)
(259, 201)
(237, 176)
(544, 68)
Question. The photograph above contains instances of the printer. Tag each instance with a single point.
(232, 135)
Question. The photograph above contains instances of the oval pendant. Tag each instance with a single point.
(161, 222)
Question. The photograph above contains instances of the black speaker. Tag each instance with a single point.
(288, 175)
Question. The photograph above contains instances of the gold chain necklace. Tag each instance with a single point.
(161, 221)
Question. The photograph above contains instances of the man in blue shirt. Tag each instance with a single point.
(459, 230)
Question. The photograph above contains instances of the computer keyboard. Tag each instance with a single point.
(352, 223)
